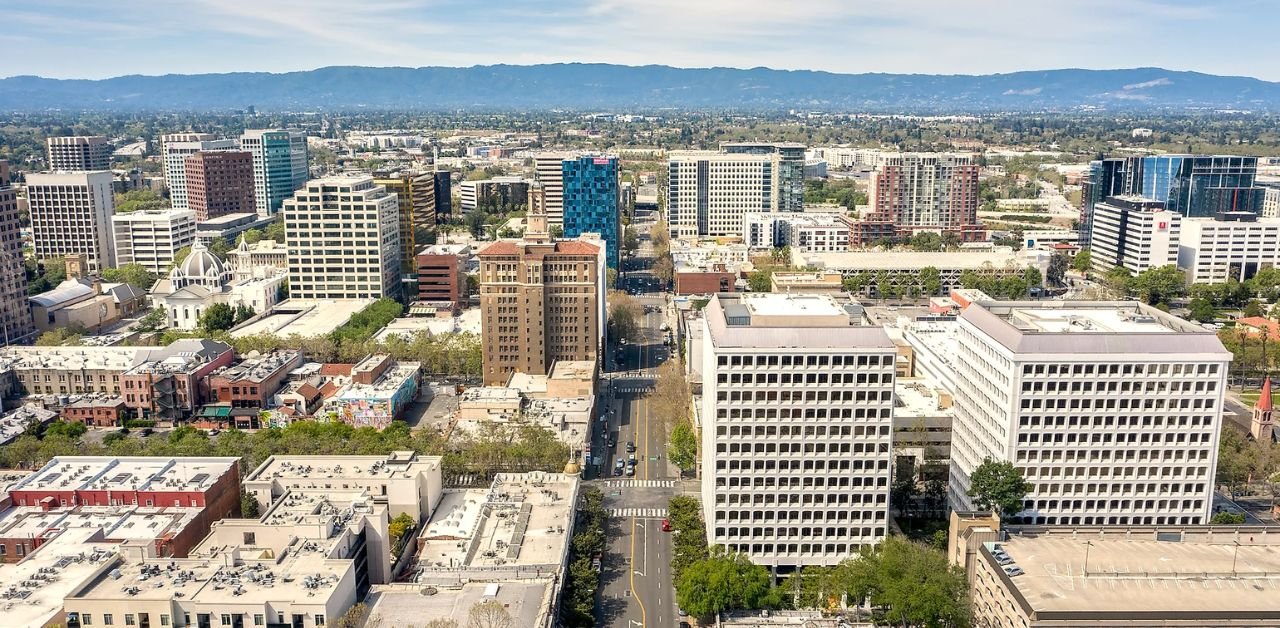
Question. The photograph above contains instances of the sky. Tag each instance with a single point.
(97, 39)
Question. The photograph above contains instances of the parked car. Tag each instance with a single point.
(631, 447)
(631, 470)
(617, 468)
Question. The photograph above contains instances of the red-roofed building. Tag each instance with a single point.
(1260, 427)
(1255, 326)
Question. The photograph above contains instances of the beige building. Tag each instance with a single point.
(541, 301)
(80, 152)
(403, 480)
(812, 283)
(152, 238)
(343, 235)
(15, 319)
(88, 303)
(550, 172)
(71, 214)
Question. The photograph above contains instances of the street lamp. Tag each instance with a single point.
(1087, 546)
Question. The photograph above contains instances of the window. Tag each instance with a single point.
(226, 619)
(319, 620)
(250, 538)
(258, 619)
(107, 620)
(86, 620)
(128, 619)
(164, 620)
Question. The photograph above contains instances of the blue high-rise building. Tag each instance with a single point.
(591, 202)
(1199, 186)
(279, 165)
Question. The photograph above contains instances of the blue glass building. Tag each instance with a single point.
(1201, 186)
(591, 202)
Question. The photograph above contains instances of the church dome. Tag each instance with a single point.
(201, 263)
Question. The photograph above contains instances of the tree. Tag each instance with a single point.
(354, 617)
(275, 231)
(1160, 285)
(155, 319)
(135, 275)
(69, 336)
(489, 614)
(252, 236)
(248, 505)
(138, 200)
(1083, 260)
(442, 623)
(219, 317)
(1032, 277)
(760, 280)
(682, 449)
(630, 241)
(555, 231)
(624, 316)
(1202, 310)
(931, 280)
(725, 581)
(998, 487)
(70, 429)
(401, 525)
(1057, 272)
(926, 241)
(1253, 308)
(663, 269)
(1118, 279)
(907, 583)
(1225, 518)
(243, 313)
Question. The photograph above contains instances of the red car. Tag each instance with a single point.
(666, 525)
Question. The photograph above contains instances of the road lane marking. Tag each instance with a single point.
(644, 618)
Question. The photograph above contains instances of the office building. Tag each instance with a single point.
(403, 481)
(279, 166)
(499, 194)
(343, 235)
(1231, 247)
(1134, 232)
(15, 319)
(442, 272)
(444, 194)
(549, 168)
(708, 192)
(219, 183)
(1104, 179)
(1197, 186)
(1143, 578)
(912, 192)
(175, 148)
(229, 227)
(1110, 410)
(1271, 200)
(416, 192)
(71, 215)
(590, 202)
(790, 170)
(78, 153)
(152, 238)
(541, 301)
(880, 274)
(797, 410)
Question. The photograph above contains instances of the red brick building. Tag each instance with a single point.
(252, 382)
(442, 272)
(922, 192)
(220, 183)
(713, 281)
(171, 384)
(97, 412)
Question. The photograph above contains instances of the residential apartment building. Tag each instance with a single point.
(416, 192)
(1232, 247)
(1134, 232)
(708, 192)
(175, 148)
(343, 235)
(219, 183)
(71, 215)
(152, 238)
(790, 170)
(169, 385)
(591, 202)
(797, 411)
(442, 272)
(541, 301)
(81, 152)
(15, 319)
(1110, 410)
(913, 192)
(815, 232)
(253, 381)
(549, 168)
(279, 165)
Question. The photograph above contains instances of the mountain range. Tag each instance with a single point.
(579, 86)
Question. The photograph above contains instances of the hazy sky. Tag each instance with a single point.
(96, 38)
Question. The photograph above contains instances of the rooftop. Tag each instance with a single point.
(892, 260)
(468, 321)
(1089, 327)
(257, 368)
(770, 320)
(1131, 577)
(399, 464)
(138, 473)
(34, 589)
(118, 523)
(573, 369)
(391, 381)
(304, 317)
(527, 601)
(15, 423)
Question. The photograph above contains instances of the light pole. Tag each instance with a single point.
(1087, 546)
(1234, 556)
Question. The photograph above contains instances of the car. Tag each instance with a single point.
(631, 470)
(619, 466)
(214, 432)
(631, 447)
(631, 459)
(612, 442)
(666, 525)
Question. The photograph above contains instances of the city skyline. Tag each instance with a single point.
(65, 39)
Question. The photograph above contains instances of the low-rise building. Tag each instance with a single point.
(34, 589)
(96, 411)
(229, 227)
(404, 481)
(17, 422)
(811, 283)
(170, 385)
(816, 232)
(441, 272)
(43, 370)
(201, 281)
(380, 390)
(84, 302)
(254, 381)
(256, 261)
(1231, 247)
(900, 271)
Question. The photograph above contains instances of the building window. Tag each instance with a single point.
(319, 620)
(226, 619)
(107, 620)
(259, 620)
(250, 538)
(86, 620)
(128, 619)
(164, 620)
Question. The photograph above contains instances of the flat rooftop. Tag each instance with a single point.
(908, 260)
(68, 473)
(789, 305)
(118, 523)
(521, 520)
(1130, 577)
(397, 464)
(917, 397)
(305, 317)
(769, 320)
(391, 381)
(33, 590)
(15, 423)
(467, 321)
(1089, 327)
(70, 358)
(527, 601)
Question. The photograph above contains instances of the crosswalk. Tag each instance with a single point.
(632, 389)
(640, 483)
(640, 513)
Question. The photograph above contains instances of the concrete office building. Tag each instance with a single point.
(1134, 232)
(1271, 200)
(152, 238)
(279, 165)
(790, 172)
(71, 215)
(1111, 410)
(550, 173)
(416, 192)
(797, 410)
(403, 481)
(591, 202)
(498, 192)
(541, 301)
(1105, 178)
(1232, 247)
(15, 319)
(708, 192)
(81, 152)
(219, 183)
(442, 272)
(174, 150)
(936, 192)
(343, 234)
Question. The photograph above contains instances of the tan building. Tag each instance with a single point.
(540, 301)
(15, 319)
(84, 302)
(812, 283)
(416, 192)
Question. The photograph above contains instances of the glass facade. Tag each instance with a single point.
(1202, 185)
(591, 202)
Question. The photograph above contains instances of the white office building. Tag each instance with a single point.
(174, 149)
(71, 215)
(550, 173)
(1218, 251)
(1134, 232)
(709, 192)
(1271, 200)
(79, 152)
(152, 238)
(1111, 410)
(805, 232)
(343, 235)
(796, 411)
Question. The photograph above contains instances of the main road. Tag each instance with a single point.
(637, 589)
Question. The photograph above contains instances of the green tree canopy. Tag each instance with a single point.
(683, 447)
(139, 200)
(135, 275)
(908, 584)
(723, 582)
(218, 317)
(999, 487)
(1083, 260)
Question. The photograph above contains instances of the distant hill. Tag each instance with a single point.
(601, 86)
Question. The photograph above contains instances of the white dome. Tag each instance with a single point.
(201, 263)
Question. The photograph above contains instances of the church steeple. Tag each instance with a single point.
(536, 229)
(1261, 427)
